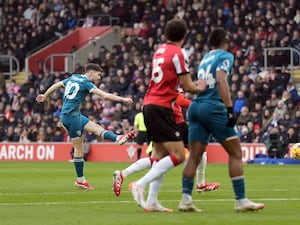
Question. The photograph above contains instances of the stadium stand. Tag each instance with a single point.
(252, 25)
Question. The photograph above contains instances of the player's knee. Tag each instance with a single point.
(179, 157)
(78, 152)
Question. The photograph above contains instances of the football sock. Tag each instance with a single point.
(238, 184)
(201, 170)
(187, 185)
(161, 167)
(79, 163)
(139, 152)
(108, 135)
(81, 179)
(138, 166)
(154, 188)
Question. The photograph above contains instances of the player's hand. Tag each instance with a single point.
(231, 117)
(128, 101)
(40, 98)
(201, 84)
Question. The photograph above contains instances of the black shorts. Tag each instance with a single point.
(160, 123)
(141, 138)
(184, 129)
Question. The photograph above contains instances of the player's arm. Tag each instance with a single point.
(111, 97)
(190, 86)
(224, 92)
(182, 101)
(50, 90)
(223, 88)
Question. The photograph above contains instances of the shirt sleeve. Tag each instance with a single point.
(182, 102)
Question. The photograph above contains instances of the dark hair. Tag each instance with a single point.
(217, 37)
(92, 66)
(176, 30)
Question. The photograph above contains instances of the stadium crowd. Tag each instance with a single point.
(265, 100)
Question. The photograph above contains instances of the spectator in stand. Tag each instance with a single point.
(287, 120)
(257, 137)
(8, 113)
(290, 108)
(47, 80)
(92, 58)
(245, 137)
(293, 92)
(107, 112)
(9, 134)
(24, 136)
(296, 121)
(286, 97)
(12, 88)
(234, 90)
(29, 12)
(254, 96)
(253, 73)
(274, 99)
(266, 86)
(284, 76)
(101, 54)
(293, 136)
(256, 117)
(117, 115)
(3, 126)
(88, 22)
(244, 116)
(274, 121)
(244, 26)
(280, 109)
(239, 103)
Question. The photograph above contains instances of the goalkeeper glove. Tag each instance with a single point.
(231, 117)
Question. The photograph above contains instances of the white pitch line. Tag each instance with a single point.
(126, 202)
(107, 192)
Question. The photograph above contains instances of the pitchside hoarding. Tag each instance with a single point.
(106, 152)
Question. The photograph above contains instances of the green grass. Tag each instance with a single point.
(43, 193)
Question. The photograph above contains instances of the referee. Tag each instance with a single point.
(141, 131)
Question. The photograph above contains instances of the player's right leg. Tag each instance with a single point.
(80, 182)
(152, 203)
(189, 171)
(105, 134)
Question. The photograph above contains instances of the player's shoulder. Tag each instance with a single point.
(171, 48)
(225, 54)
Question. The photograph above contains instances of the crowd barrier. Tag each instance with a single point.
(106, 152)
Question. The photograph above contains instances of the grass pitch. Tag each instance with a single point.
(43, 193)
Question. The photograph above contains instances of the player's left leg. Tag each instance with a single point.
(236, 173)
(120, 175)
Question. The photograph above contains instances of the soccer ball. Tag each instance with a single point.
(295, 150)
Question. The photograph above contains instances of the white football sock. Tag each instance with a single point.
(154, 188)
(81, 179)
(138, 166)
(161, 167)
(201, 170)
